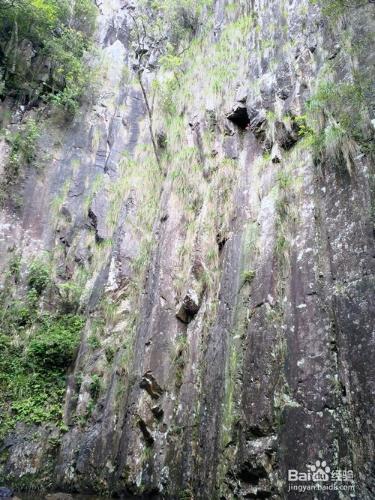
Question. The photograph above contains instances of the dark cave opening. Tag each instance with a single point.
(239, 116)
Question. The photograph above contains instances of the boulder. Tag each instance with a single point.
(6, 492)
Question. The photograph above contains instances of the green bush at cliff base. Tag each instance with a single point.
(53, 346)
(40, 34)
(33, 365)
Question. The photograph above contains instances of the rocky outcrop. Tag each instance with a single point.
(224, 267)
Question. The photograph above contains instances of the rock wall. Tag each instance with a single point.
(230, 295)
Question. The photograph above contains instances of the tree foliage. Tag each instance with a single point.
(338, 7)
(42, 45)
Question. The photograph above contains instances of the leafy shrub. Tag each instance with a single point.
(54, 344)
(23, 145)
(36, 350)
(335, 113)
(248, 276)
(94, 342)
(70, 294)
(95, 386)
(41, 406)
(336, 7)
(15, 267)
(39, 276)
(19, 314)
(60, 33)
(109, 353)
(68, 66)
(16, 315)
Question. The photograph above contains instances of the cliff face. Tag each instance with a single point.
(211, 221)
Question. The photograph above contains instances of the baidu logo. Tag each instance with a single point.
(320, 471)
(320, 477)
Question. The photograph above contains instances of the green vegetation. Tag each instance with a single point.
(94, 341)
(33, 364)
(70, 294)
(38, 276)
(54, 343)
(52, 33)
(336, 7)
(179, 361)
(248, 277)
(23, 145)
(171, 27)
(183, 18)
(344, 100)
(95, 386)
(37, 348)
(335, 120)
(181, 73)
